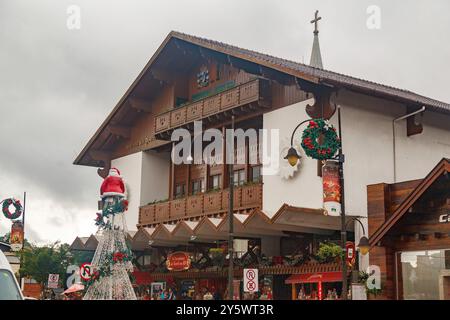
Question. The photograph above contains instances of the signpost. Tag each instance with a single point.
(251, 280)
(86, 271)
(53, 279)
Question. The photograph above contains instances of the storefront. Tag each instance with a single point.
(410, 236)
(316, 286)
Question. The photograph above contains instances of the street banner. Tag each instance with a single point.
(250, 280)
(53, 279)
(16, 236)
(331, 188)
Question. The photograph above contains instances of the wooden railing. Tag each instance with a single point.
(244, 94)
(245, 197)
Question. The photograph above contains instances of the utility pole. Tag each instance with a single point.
(343, 224)
(230, 148)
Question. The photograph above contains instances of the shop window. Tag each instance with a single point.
(215, 181)
(179, 190)
(239, 177)
(256, 174)
(197, 186)
(422, 274)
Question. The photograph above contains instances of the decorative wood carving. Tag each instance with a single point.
(104, 157)
(322, 107)
(413, 128)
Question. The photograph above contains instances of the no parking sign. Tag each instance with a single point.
(251, 280)
(86, 271)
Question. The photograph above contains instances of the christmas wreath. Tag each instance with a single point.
(17, 205)
(319, 140)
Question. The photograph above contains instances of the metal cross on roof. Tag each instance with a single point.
(315, 20)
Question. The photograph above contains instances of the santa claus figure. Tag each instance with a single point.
(113, 185)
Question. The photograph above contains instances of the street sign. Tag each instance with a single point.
(86, 271)
(250, 280)
(53, 280)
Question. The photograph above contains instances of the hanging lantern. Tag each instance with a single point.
(331, 188)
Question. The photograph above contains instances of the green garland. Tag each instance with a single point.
(17, 205)
(107, 269)
(110, 208)
(329, 144)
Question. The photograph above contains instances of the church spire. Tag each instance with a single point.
(316, 57)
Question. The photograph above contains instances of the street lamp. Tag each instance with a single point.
(340, 158)
(292, 155)
(363, 244)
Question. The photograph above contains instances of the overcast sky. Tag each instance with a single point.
(57, 85)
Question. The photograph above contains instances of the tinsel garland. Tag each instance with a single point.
(17, 205)
(319, 129)
(108, 264)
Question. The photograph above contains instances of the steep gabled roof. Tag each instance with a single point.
(296, 69)
(442, 167)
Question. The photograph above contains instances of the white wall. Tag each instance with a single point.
(305, 189)
(155, 176)
(368, 148)
(146, 175)
(130, 168)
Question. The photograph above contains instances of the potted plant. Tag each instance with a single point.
(329, 252)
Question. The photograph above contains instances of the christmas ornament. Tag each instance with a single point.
(17, 205)
(112, 185)
(319, 140)
(112, 261)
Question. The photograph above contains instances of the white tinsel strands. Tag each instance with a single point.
(116, 284)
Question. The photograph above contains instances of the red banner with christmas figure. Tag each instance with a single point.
(16, 237)
(331, 188)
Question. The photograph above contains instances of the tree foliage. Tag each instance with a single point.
(38, 262)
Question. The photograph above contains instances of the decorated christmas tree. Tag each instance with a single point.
(111, 264)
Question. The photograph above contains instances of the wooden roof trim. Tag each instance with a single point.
(160, 229)
(442, 167)
(257, 213)
(180, 36)
(285, 207)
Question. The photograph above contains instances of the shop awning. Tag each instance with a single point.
(143, 278)
(315, 277)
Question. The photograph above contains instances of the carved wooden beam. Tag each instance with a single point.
(413, 128)
(120, 131)
(105, 158)
(140, 105)
(322, 107)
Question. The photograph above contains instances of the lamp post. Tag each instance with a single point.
(293, 157)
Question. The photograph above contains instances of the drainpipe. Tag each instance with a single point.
(393, 136)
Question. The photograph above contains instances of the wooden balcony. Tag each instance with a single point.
(214, 202)
(240, 100)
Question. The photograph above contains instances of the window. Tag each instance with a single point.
(216, 181)
(421, 273)
(239, 177)
(179, 190)
(8, 287)
(256, 174)
(197, 186)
